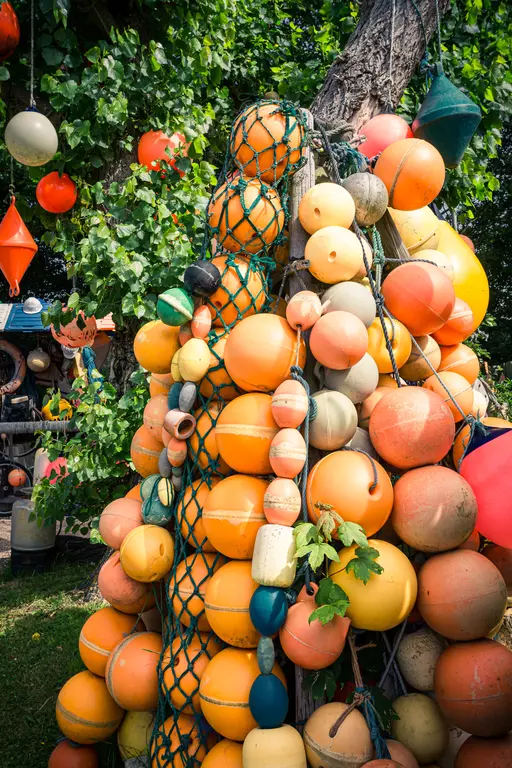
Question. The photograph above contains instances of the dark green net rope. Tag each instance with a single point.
(246, 221)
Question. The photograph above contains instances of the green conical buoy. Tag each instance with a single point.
(447, 119)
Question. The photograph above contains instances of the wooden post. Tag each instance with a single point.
(300, 183)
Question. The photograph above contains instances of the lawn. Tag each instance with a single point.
(40, 621)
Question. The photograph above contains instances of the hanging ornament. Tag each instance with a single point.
(152, 150)
(9, 31)
(38, 360)
(30, 138)
(71, 335)
(55, 193)
(447, 119)
(17, 248)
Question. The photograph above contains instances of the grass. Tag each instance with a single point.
(40, 621)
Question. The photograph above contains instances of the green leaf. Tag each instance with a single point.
(352, 533)
(4, 74)
(383, 707)
(52, 56)
(363, 564)
(329, 592)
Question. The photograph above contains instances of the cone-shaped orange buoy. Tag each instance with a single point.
(17, 248)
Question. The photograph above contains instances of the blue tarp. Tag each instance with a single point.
(21, 322)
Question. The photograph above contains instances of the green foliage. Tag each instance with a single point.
(363, 564)
(97, 455)
(333, 601)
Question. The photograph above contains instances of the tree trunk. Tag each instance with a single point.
(121, 362)
(358, 85)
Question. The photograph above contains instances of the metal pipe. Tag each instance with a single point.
(31, 427)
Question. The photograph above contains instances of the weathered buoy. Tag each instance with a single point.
(417, 657)
(273, 562)
(357, 382)
(350, 745)
(370, 196)
(335, 254)
(413, 172)
(421, 727)
(351, 297)
(335, 421)
(338, 340)
(326, 205)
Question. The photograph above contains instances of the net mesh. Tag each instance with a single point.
(246, 223)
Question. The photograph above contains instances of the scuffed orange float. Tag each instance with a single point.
(244, 432)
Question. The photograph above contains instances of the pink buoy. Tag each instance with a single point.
(282, 502)
(303, 310)
(57, 470)
(201, 322)
(338, 340)
(289, 404)
(287, 453)
(381, 131)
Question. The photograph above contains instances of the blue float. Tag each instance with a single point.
(268, 609)
(268, 701)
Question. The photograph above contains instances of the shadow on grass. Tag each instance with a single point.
(40, 622)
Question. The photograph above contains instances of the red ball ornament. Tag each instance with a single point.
(56, 194)
(16, 478)
(152, 150)
(381, 131)
(9, 31)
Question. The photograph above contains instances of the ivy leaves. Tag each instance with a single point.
(333, 601)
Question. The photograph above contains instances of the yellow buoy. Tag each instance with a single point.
(134, 734)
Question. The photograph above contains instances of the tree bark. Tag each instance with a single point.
(358, 86)
(121, 362)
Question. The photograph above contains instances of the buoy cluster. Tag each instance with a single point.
(223, 457)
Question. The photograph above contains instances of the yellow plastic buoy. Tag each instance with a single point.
(388, 598)
(134, 734)
(155, 345)
(469, 278)
(194, 360)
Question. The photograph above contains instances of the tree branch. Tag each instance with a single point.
(357, 86)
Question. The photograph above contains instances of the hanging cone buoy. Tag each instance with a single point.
(447, 119)
(17, 248)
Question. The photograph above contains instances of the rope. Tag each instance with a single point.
(391, 661)
(32, 102)
(438, 24)
(12, 197)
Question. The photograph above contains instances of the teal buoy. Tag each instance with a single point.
(268, 701)
(447, 119)
(175, 307)
(268, 609)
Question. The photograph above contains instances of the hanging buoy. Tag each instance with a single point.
(56, 193)
(381, 131)
(152, 150)
(31, 138)
(447, 119)
(17, 248)
(9, 31)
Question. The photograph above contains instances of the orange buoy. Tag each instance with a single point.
(185, 334)
(118, 519)
(494, 753)
(473, 686)
(160, 384)
(147, 553)
(335, 254)
(227, 600)
(260, 352)
(288, 453)
(244, 432)
(224, 691)
(233, 515)
(17, 478)
(401, 754)
(413, 172)
(461, 594)
(189, 514)
(454, 387)
(290, 404)
(461, 359)
(153, 146)
(303, 310)
(187, 587)
(241, 292)
(265, 141)
(122, 592)
(351, 744)
(176, 449)
(416, 368)
(502, 559)
(326, 205)
(154, 414)
(69, 755)
(367, 406)
(245, 215)
(462, 439)
(400, 339)
(17, 248)
(145, 451)
(472, 542)
(217, 383)
(459, 325)
(179, 743)
(411, 427)
(85, 710)
(338, 340)
(183, 664)
(434, 509)
(101, 633)
(225, 754)
(344, 480)
(134, 493)
(420, 295)
(282, 502)
(56, 192)
(131, 673)
(203, 445)
(201, 322)
(155, 345)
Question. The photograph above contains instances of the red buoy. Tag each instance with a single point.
(381, 131)
(55, 193)
(152, 150)
(9, 31)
